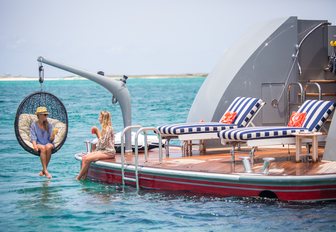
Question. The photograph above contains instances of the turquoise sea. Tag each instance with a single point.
(32, 203)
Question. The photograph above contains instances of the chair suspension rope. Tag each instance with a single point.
(41, 75)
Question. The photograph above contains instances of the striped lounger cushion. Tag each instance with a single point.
(317, 114)
(245, 107)
(246, 133)
(184, 128)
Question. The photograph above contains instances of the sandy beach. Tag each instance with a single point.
(150, 76)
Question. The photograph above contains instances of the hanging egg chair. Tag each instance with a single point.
(25, 116)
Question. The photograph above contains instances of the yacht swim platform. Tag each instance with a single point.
(214, 173)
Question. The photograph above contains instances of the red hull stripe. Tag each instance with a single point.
(246, 179)
(202, 183)
(164, 183)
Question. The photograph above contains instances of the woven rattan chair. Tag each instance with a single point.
(25, 115)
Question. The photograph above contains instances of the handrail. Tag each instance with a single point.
(136, 154)
(318, 88)
(304, 38)
(144, 129)
(302, 97)
(295, 57)
(122, 147)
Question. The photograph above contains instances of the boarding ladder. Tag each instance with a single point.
(143, 130)
(301, 93)
(319, 90)
(328, 92)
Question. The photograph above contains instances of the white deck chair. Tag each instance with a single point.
(317, 112)
(245, 107)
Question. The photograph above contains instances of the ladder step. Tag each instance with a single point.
(316, 94)
(130, 179)
(322, 81)
(323, 94)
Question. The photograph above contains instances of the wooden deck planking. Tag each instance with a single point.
(220, 162)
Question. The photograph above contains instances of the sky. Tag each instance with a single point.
(134, 37)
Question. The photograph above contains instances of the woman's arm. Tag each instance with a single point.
(35, 146)
(33, 136)
(95, 130)
(53, 134)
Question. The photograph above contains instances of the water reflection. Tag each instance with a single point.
(100, 193)
(45, 192)
(40, 195)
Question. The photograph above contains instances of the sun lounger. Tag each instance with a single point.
(316, 113)
(244, 108)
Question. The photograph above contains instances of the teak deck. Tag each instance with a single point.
(219, 161)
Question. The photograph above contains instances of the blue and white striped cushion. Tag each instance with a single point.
(250, 133)
(196, 128)
(317, 113)
(245, 107)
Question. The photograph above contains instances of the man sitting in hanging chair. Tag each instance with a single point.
(42, 137)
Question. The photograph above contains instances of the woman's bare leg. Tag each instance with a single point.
(93, 156)
(85, 174)
(93, 147)
(49, 148)
(44, 160)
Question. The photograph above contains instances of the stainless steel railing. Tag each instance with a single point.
(143, 130)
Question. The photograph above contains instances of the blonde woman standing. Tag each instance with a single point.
(104, 147)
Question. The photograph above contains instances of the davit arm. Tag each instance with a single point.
(117, 88)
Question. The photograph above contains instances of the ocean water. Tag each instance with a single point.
(32, 203)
